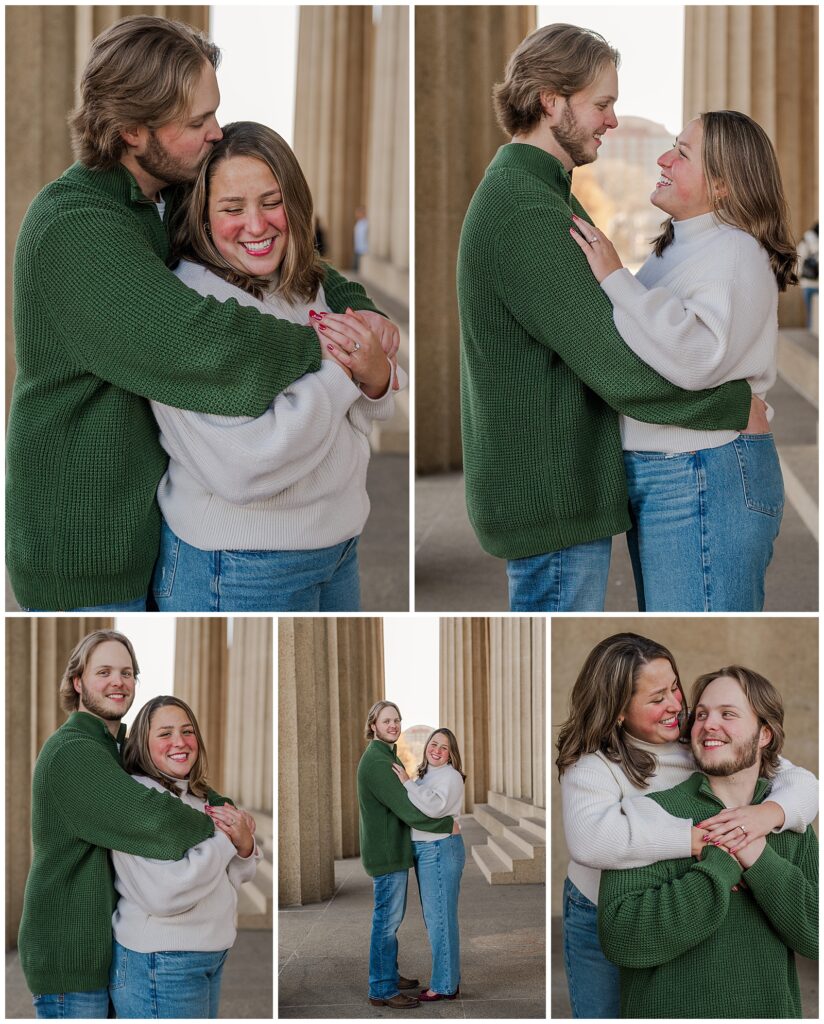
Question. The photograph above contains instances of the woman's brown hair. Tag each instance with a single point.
(454, 754)
(301, 271)
(138, 761)
(600, 697)
(738, 157)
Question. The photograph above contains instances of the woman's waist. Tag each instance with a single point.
(637, 436)
(420, 838)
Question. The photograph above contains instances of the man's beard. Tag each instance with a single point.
(98, 706)
(744, 754)
(572, 138)
(159, 162)
(381, 735)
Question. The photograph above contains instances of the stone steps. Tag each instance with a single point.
(796, 425)
(494, 821)
(515, 852)
(798, 361)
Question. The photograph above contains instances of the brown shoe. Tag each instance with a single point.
(398, 1002)
(407, 983)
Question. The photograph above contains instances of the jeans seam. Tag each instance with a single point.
(701, 482)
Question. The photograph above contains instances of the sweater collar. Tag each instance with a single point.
(95, 727)
(536, 161)
(699, 785)
(695, 227)
(384, 749)
(116, 182)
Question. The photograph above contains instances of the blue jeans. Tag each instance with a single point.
(570, 580)
(93, 1005)
(594, 982)
(165, 985)
(187, 579)
(438, 866)
(704, 524)
(387, 914)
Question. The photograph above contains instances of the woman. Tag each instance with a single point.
(175, 920)
(439, 858)
(265, 514)
(706, 505)
(620, 741)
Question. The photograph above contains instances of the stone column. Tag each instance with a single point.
(460, 52)
(249, 733)
(37, 650)
(763, 61)
(331, 115)
(200, 679)
(464, 698)
(46, 48)
(330, 671)
(387, 199)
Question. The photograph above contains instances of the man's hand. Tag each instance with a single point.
(697, 842)
(747, 856)
(758, 422)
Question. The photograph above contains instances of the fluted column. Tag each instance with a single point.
(46, 48)
(330, 672)
(200, 681)
(249, 735)
(387, 200)
(763, 61)
(464, 698)
(37, 650)
(331, 115)
(460, 52)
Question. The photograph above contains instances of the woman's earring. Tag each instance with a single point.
(620, 723)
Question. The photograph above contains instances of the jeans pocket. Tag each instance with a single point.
(163, 579)
(760, 473)
(117, 972)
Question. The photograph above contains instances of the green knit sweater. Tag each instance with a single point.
(386, 813)
(543, 370)
(101, 325)
(83, 805)
(688, 946)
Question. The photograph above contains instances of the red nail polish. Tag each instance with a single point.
(314, 315)
(329, 347)
(321, 327)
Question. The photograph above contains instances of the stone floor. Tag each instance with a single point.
(246, 991)
(323, 949)
(559, 999)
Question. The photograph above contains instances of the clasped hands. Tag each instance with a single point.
(739, 831)
(237, 824)
(364, 343)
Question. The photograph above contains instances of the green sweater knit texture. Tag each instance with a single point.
(83, 805)
(101, 325)
(688, 946)
(544, 372)
(387, 814)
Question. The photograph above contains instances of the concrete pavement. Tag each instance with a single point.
(246, 990)
(324, 947)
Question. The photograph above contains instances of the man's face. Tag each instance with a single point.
(106, 687)
(726, 736)
(174, 152)
(387, 726)
(582, 118)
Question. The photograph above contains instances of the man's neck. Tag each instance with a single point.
(147, 183)
(543, 138)
(735, 790)
(112, 725)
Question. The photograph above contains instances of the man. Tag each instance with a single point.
(102, 325)
(83, 805)
(543, 370)
(386, 816)
(714, 937)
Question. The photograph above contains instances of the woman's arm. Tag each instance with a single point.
(246, 460)
(605, 830)
(434, 799)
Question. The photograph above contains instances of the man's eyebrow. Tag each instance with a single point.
(735, 707)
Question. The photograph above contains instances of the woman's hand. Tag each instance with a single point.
(238, 825)
(353, 343)
(399, 771)
(388, 335)
(599, 251)
(758, 422)
(736, 827)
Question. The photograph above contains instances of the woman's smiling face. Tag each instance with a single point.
(681, 190)
(437, 751)
(652, 713)
(172, 742)
(246, 215)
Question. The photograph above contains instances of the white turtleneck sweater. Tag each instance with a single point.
(438, 794)
(703, 313)
(608, 824)
(183, 905)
